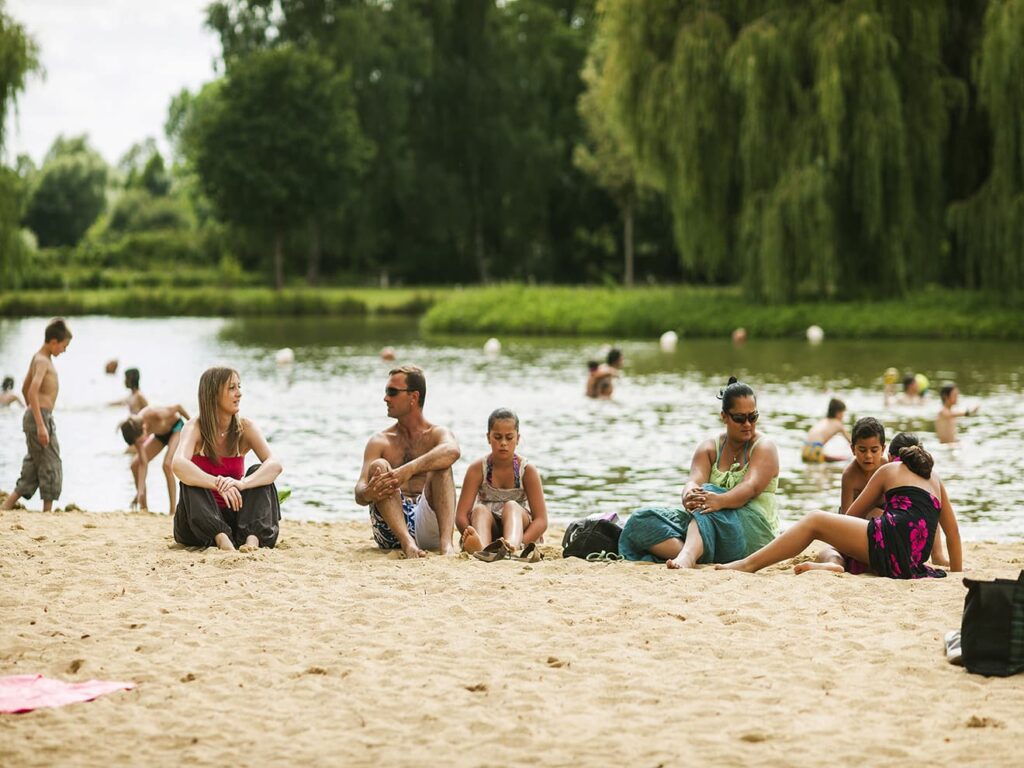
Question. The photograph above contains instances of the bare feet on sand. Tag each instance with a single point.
(735, 565)
(827, 567)
(471, 540)
(224, 542)
(410, 551)
(682, 560)
(251, 544)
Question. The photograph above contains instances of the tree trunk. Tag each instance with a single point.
(478, 249)
(279, 260)
(627, 242)
(313, 268)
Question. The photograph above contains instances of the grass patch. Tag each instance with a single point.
(210, 301)
(715, 312)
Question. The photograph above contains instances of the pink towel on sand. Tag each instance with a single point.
(23, 693)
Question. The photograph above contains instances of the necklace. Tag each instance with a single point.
(736, 454)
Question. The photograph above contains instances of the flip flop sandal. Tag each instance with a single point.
(496, 550)
(604, 557)
(530, 554)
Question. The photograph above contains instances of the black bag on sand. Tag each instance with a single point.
(590, 537)
(992, 630)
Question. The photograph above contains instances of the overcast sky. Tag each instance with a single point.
(112, 67)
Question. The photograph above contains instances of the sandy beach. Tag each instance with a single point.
(327, 652)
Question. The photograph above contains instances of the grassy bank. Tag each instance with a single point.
(535, 310)
(220, 302)
(695, 312)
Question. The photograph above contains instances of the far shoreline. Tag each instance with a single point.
(575, 311)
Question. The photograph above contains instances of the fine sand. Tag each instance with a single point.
(327, 652)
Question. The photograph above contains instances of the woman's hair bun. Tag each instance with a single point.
(917, 460)
(732, 380)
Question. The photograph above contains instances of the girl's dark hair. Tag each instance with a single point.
(835, 406)
(867, 427)
(131, 377)
(502, 413)
(946, 391)
(908, 447)
(8, 383)
(733, 390)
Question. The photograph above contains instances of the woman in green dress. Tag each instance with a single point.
(728, 503)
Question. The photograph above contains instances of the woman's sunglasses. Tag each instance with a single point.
(393, 391)
(743, 418)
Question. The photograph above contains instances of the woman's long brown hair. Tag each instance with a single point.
(211, 384)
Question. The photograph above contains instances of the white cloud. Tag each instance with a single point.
(111, 66)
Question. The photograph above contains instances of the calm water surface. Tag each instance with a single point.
(615, 455)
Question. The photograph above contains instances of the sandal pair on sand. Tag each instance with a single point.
(502, 550)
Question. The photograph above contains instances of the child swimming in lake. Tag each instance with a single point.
(501, 507)
(832, 425)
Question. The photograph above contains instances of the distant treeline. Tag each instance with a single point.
(795, 148)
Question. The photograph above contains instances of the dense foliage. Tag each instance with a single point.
(818, 144)
(794, 148)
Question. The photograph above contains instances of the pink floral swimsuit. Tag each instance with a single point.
(900, 540)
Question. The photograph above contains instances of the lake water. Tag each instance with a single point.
(594, 456)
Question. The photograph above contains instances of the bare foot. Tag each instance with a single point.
(252, 543)
(411, 551)
(471, 540)
(224, 542)
(828, 567)
(735, 565)
(682, 560)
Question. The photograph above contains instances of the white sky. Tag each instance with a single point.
(111, 68)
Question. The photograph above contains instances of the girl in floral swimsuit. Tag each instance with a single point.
(895, 544)
(501, 494)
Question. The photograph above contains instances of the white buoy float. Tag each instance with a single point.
(815, 334)
(284, 356)
(492, 347)
(668, 341)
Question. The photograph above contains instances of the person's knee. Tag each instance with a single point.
(813, 521)
(510, 510)
(378, 466)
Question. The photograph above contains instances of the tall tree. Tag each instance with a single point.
(69, 192)
(276, 142)
(18, 59)
(800, 144)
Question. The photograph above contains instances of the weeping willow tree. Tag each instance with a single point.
(988, 226)
(18, 57)
(801, 143)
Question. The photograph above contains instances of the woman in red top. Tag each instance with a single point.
(221, 504)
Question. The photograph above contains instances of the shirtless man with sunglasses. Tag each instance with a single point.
(406, 477)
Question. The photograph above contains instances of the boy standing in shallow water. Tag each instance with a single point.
(945, 422)
(41, 467)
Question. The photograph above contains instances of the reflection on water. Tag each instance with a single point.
(636, 449)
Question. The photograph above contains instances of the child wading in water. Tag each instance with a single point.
(945, 422)
(814, 444)
(501, 507)
(895, 544)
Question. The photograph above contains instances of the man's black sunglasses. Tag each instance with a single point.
(392, 391)
(743, 418)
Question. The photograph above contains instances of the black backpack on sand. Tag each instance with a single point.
(589, 536)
